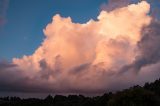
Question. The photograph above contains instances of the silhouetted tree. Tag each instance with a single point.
(148, 95)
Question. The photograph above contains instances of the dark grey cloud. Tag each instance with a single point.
(80, 68)
(148, 47)
(5, 65)
(47, 71)
(12, 79)
(15, 80)
(113, 4)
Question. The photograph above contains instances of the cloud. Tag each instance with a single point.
(3, 9)
(5, 65)
(149, 45)
(115, 4)
(88, 57)
(148, 48)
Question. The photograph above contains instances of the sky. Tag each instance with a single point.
(26, 19)
(82, 46)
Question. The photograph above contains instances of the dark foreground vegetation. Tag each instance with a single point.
(148, 95)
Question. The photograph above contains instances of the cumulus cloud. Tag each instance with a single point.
(88, 57)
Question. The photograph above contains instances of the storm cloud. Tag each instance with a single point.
(93, 57)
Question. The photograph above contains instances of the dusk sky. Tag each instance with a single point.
(78, 46)
(26, 19)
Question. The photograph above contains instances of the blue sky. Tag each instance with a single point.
(26, 19)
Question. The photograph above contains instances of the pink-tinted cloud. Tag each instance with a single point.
(89, 57)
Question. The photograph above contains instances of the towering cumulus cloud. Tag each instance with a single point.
(89, 58)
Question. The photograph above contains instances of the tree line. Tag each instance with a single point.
(147, 95)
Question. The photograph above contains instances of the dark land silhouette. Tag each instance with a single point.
(148, 95)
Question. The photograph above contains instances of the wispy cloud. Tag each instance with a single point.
(3, 11)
